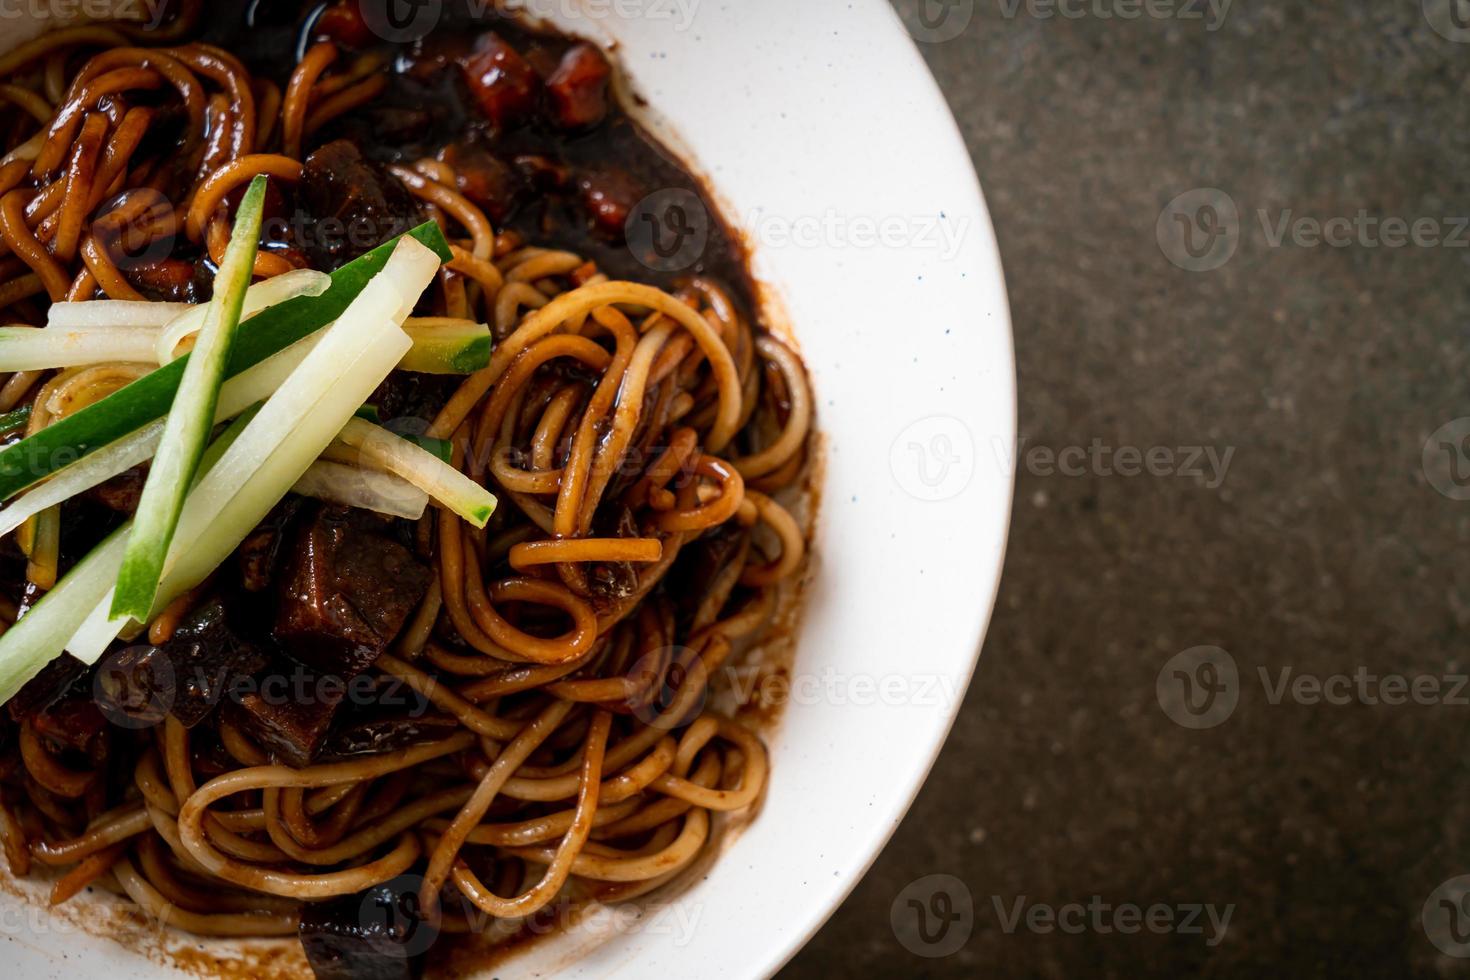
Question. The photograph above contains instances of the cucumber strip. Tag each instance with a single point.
(339, 483)
(29, 349)
(370, 412)
(15, 419)
(283, 439)
(381, 449)
(238, 394)
(186, 431)
(37, 638)
(148, 398)
(261, 296)
(442, 345)
(107, 314)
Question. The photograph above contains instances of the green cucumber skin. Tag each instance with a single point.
(59, 445)
(474, 356)
(191, 417)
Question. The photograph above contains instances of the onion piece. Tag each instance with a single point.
(379, 448)
(239, 393)
(24, 348)
(339, 483)
(109, 314)
(262, 295)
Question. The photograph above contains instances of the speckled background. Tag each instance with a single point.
(1326, 549)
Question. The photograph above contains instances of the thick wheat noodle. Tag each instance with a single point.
(211, 194)
(225, 70)
(267, 264)
(307, 887)
(22, 287)
(488, 426)
(364, 840)
(59, 40)
(452, 202)
(30, 102)
(542, 265)
(51, 774)
(793, 543)
(118, 151)
(298, 95)
(268, 110)
(23, 243)
(637, 777)
(181, 891)
(105, 272)
(304, 829)
(226, 924)
(508, 302)
(559, 866)
(83, 874)
(480, 270)
(445, 699)
(732, 493)
(604, 420)
(13, 835)
(104, 832)
(344, 101)
(178, 765)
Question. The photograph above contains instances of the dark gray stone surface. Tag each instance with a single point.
(1326, 549)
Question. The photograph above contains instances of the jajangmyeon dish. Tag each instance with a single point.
(380, 505)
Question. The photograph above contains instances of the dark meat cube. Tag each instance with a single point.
(121, 493)
(484, 179)
(354, 204)
(609, 196)
(387, 735)
(208, 657)
(259, 554)
(342, 22)
(288, 712)
(347, 592)
(577, 90)
(502, 83)
(61, 677)
(373, 935)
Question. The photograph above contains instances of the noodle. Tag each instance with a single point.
(561, 664)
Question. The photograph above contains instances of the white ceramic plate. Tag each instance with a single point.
(819, 127)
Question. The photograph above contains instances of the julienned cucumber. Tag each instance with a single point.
(34, 458)
(442, 346)
(284, 438)
(37, 637)
(191, 416)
